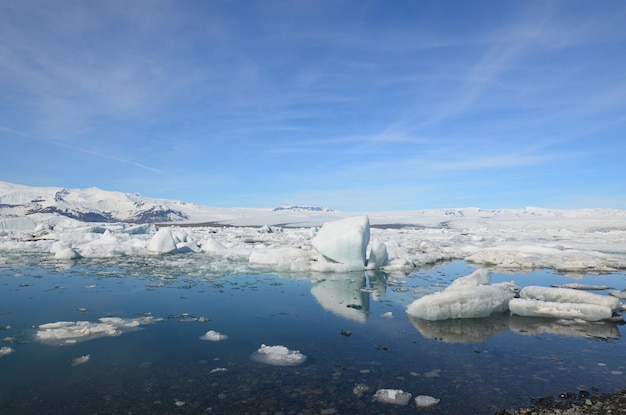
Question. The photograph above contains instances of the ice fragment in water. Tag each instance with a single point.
(213, 336)
(393, 396)
(278, 356)
(80, 360)
(5, 351)
(425, 401)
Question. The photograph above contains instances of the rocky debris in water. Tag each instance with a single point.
(359, 389)
(570, 403)
(346, 333)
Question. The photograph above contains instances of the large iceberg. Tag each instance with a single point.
(344, 241)
(466, 297)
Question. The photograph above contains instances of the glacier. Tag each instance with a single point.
(315, 242)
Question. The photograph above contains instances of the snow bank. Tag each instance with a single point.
(464, 298)
(278, 356)
(344, 241)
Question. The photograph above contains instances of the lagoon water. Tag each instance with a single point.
(342, 323)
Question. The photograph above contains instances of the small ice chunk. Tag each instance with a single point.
(393, 396)
(425, 401)
(278, 356)
(388, 314)
(5, 351)
(80, 360)
(213, 336)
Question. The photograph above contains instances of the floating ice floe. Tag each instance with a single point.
(466, 297)
(564, 303)
(278, 356)
(213, 336)
(425, 401)
(5, 351)
(80, 360)
(392, 396)
(71, 332)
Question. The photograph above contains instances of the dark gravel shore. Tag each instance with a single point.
(581, 403)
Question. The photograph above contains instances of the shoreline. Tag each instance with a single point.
(570, 403)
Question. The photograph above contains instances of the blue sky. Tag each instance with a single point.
(353, 105)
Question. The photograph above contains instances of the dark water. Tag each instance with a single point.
(473, 366)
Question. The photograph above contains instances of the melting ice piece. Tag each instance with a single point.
(344, 241)
(69, 332)
(213, 336)
(463, 302)
(278, 356)
(425, 401)
(80, 360)
(393, 396)
(569, 295)
(536, 308)
(5, 351)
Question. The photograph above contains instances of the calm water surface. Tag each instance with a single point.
(338, 321)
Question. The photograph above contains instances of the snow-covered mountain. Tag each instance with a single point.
(87, 205)
(97, 205)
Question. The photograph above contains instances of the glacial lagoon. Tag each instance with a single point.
(352, 328)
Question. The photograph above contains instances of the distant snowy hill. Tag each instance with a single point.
(86, 205)
(96, 205)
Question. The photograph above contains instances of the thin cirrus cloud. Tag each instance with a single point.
(210, 102)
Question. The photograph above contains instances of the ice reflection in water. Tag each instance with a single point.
(473, 366)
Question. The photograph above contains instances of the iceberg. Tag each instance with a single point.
(278, 356)
(466, 297)
(569, 295)
(377, 254)
(344, 241)
(564, 303)
(537, 308)
(162, 242)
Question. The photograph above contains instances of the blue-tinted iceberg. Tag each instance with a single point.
(344, 241)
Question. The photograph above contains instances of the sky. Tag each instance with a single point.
(351, 105)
